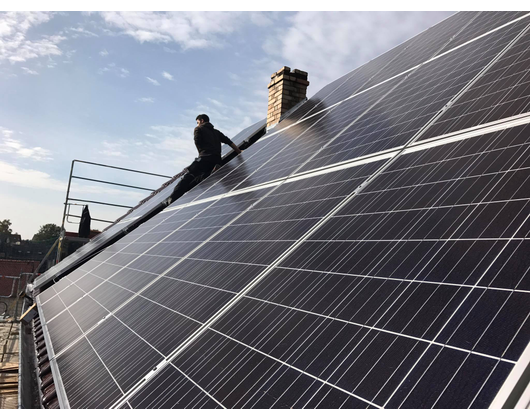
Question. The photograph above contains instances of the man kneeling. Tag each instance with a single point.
(208, 142)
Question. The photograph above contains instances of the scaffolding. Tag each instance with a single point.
(10, 313)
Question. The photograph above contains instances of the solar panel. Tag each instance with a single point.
(390, 274)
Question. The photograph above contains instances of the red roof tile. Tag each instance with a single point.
(14, 268)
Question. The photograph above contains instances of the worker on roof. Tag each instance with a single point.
(208, 142)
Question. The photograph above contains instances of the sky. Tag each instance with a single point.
(124, 88)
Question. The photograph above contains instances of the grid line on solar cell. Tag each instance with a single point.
(179, 395)
(360, 275)
(97, 355)
(144, 297)
(483, 23)
(297, 369)
(198, 386)
(358, 324)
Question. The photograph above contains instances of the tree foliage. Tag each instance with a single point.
(47, 231)
(5, 226)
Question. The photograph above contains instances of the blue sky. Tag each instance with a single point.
(123, 88)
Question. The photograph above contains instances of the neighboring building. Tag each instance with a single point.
(9, 270)
(13, 247)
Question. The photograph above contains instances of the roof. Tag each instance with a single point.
(15, 267)
(369, 252)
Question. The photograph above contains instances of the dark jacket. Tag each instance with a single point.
(84, 226)
(208, 140)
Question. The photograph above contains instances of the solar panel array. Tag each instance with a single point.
(370, 252)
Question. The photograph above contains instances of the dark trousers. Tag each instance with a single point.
(197, 171)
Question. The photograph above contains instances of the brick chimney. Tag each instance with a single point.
(286, 89)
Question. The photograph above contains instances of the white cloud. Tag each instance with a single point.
(51, 63)
(330, 44)
(82, 31)
(177, 139)
(29, 71)
(169, 50)
(167, 76)
(188, 29)
(153, 81)
(120, 72)
(229, 119)
(30, 178)
(114, 149)
(216, 102)
(14, 46)
(103, 53)
(107, 191)
(235, 79)
(146, 100)
(10, 145)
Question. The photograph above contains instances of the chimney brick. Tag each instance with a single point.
(286, 89)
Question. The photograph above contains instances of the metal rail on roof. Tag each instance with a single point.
(69, 201)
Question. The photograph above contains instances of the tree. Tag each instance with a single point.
(46, 232)
(5, 226)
